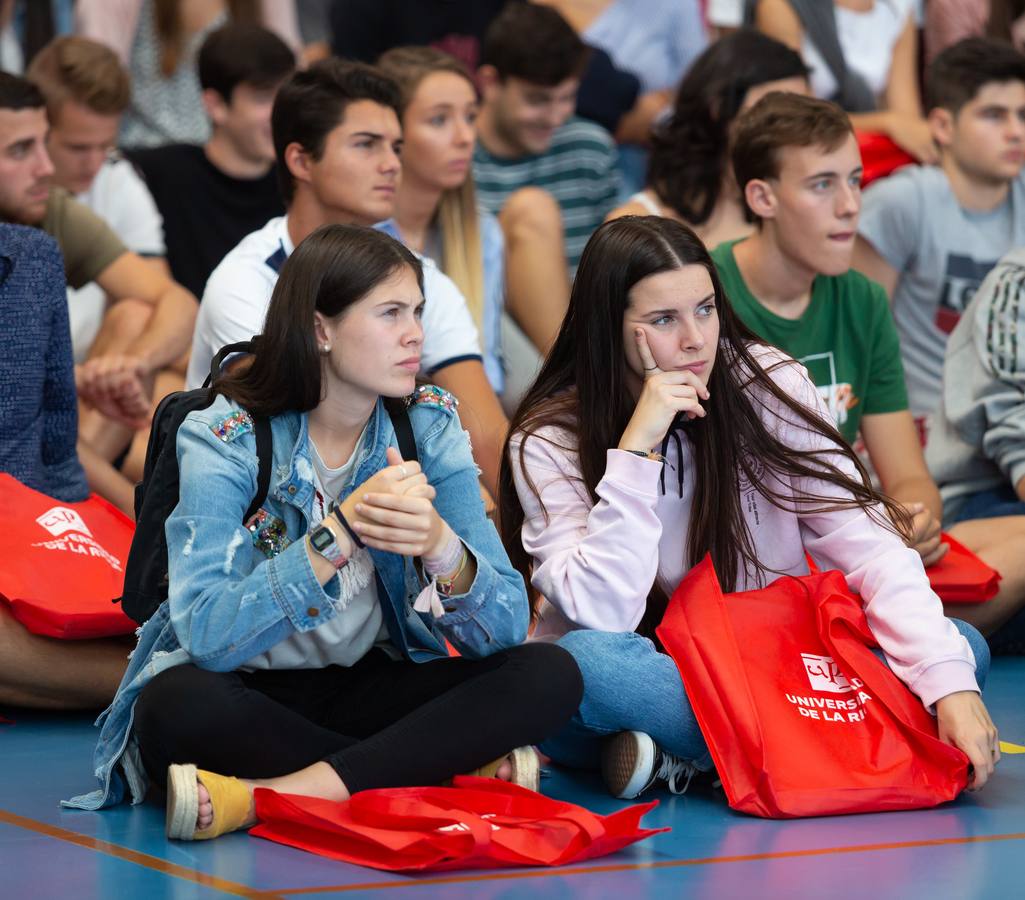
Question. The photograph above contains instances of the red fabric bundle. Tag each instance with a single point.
(961, 577)
(880, 156)
(479, 823)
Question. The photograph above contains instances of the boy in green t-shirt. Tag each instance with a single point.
(797, 164)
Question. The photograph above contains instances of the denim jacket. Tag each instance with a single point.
(237, 589)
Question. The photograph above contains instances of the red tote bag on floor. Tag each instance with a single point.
(478, 823)
(801, 718)
(62, 564)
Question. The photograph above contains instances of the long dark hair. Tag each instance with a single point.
(582, 387)
(688, 153)
(330, 270)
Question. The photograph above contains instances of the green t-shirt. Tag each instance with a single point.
(87, 243)
(845, 338)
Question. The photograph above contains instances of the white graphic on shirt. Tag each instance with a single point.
(838, 395)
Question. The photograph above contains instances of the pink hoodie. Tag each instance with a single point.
(595, 563)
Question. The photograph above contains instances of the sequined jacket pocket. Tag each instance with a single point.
(269, 533)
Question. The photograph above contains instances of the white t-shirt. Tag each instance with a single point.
(867, 40)
(239, 290)
(346, 638)
(725, 13)
(119, 196)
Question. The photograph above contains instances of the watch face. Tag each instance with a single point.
(322, 538)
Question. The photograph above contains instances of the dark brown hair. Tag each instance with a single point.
(534, 43)
(582, 387)
(333, 268)
(76, 68)
(171, 31)
(960, 71)
(243, 53)
(312, 103)
(689, 155)
(781, 120)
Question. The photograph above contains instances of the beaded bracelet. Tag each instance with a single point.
(446, 585)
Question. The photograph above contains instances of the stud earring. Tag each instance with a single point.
(325, 348)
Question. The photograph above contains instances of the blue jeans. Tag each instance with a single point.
(1001, 501)
(630, 686)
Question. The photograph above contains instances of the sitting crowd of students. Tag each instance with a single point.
(746, 357)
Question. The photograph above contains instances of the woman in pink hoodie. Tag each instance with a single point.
(659, 430)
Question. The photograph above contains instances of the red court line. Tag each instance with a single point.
(133, 856)
(414, 881)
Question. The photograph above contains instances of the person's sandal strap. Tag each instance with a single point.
(232, 802)
(230, 798)
(526, 770)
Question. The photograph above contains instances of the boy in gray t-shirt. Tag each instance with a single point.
(930, 235)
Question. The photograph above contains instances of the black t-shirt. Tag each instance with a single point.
(206, 213)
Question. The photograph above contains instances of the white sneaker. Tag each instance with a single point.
(631, 763)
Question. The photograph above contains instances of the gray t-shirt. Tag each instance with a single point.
(942, 252)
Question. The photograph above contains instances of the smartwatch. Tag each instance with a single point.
(323, 540)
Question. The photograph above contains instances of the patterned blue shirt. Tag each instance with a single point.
(38, 410)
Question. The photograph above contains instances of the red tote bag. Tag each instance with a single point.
(961, 577)
(62, 564)
(801, 718)
(478, 823)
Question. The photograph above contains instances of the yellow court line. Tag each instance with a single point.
(420, 881)
(134, 856)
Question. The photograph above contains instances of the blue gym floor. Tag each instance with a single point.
(974, 847)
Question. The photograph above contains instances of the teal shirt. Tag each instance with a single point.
(578, 170)
(846, 339)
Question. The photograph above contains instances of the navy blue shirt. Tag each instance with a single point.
(38, 408)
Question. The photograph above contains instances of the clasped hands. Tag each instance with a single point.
(393, 510)
(116, 386)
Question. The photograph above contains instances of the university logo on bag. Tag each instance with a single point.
(825, 675)
(70, 534)
(61, 519)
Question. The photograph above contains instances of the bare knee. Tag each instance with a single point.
(531, 211)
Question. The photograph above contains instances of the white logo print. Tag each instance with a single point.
(61, 519)
(825, 675)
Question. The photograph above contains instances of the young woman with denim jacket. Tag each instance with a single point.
(676, 434)
(304, 650)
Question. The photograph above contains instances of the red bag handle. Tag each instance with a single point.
(419, 813)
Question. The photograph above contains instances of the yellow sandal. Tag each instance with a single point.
(231, 799)
(526, 771)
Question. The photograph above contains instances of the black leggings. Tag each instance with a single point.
(379, 723)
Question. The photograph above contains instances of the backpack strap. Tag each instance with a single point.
(403, 428)
(819, 21)
(264, 455)
(261, 427)
(226, 351)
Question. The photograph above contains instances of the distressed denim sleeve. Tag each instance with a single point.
(493, 614)
(223, 609)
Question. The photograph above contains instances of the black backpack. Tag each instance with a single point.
(146, 580)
